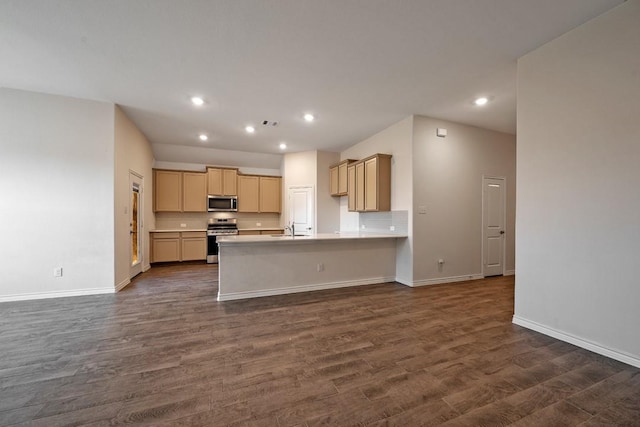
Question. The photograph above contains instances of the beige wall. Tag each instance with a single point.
(57, 184)
(447, 180)
(132, 153)
(394, 140)
(327, 207)
(312, 168)
(578, 221)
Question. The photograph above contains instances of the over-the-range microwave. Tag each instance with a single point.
(222, 203)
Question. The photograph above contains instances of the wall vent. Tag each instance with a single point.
(269, 123)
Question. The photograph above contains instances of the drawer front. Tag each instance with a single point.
(168, 235)
(193, 234)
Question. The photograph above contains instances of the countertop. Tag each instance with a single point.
(264, 238)
(260, 228)
(177, 230)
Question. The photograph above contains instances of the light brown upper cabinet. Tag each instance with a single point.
(222, 182)
(178, 191)
(248, 193)
(338, 182)
(194, 192)
(351, 195)
(360, 186)
(259, 193)
(370, 184)
(270, 192)
(333, 180)
(377, 186)
(167, 191)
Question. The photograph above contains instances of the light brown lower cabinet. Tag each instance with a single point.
(178, 246)
(193, 245)
(258, 232)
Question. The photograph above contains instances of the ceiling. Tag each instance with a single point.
(358, 65)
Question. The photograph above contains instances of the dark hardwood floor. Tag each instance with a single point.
(164, 352)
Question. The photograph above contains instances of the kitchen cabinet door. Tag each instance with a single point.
(214, 181)
(167, 191)
(351, 193)
(377, 171)
(360, 186)
(165, 247)
(193, 248)
(194, 192)
(333, 181)
(343, 183)
(222, 182)
(270, 194)
(229, 182)
(248, 193)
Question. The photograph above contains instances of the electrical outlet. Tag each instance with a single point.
(258, 224)
(392, 228)
(57, 272)
(321, 267)
(363, 226)
(183, 225)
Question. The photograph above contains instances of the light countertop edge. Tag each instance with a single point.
(239, 240)
(177, 230)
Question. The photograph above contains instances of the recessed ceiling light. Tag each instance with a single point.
(481, 101)
(250, 129)
(283, 146)
(203, 137)
(309, 117)
(196, 100)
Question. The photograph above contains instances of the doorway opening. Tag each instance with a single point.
(494, 209)
(135, 223)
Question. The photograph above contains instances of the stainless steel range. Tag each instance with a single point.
(218, 227)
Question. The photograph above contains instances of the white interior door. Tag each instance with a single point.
(135, 223)
(493, 229)
(302, 209)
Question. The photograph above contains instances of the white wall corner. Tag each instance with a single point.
(633, 360)
(120, 286)
(510, 273)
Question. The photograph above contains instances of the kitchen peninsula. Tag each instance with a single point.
(256, 266)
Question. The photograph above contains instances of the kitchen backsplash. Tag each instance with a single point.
(198, 220)
(381, 222)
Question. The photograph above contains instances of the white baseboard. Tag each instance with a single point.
(580, 342)
(304, 288)
(146, 267)
(510, 273)
(57, 294)
(441, 280)
(120, 286)
(403, 281)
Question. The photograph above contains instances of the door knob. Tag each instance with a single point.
(501, 231)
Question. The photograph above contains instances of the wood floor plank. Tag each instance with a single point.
(164, 352)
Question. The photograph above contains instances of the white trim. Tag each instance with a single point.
(441, 280)
(146, 267)
(57, 294)
(402, 281)
(510, 273)
(304, 288)
(120, 286)
(580, 342)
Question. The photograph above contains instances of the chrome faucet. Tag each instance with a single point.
(291, 228)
